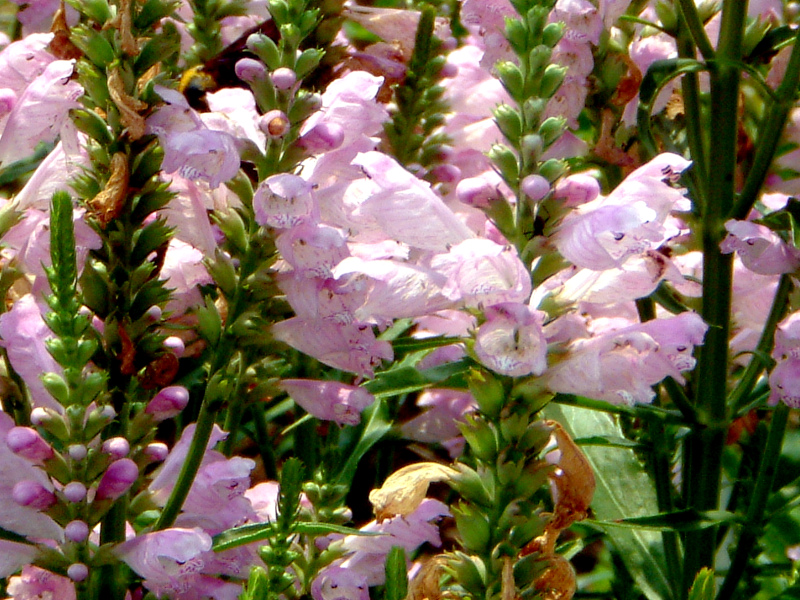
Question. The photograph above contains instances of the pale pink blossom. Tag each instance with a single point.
(511, 341)
(34, 583)
(329, 400)
(760, 249)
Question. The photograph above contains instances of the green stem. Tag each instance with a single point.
(690, 87)
(705, 443)
(236, 407)
(264, 443)
(770, 131)
(741, 394)
(688, 11)
(758, 503)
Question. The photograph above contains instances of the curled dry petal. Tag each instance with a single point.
(404, 490)
(573, 481)
(558, 581)
(108, 203)
(128, 106)
(425, 584)
(124, 23)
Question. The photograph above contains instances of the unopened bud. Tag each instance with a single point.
(27, 443)
(117, 479)
(283, 78)
(157, 451)
(168, 403)
(75, 491)
(77, 571)
(175, 345)
(51, 421)
(323, 137)
(250, 69)
(477, 192)
(32, 494)
(77, 451)
(535, 187)
(76, 531)
(117, 447)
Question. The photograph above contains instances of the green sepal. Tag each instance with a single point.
(539, 59)
(94, 45)
(470, 573)
(552, 129)
(232, 226)
(149, 201)
(533, 109)
(279, 11)
(92, 124)
(509, 121)
(149, 239)
(308, 61)
(552, 169)
(94, 384)
(94, 82)
(552, 33)
(98, 11)
(152, 11)
(517, 35)
(506, 162)
(263, 47)
(62, 248)
(95, 291)
(145, 166)
(667, 15)
(512, 79)
(521, 534)
(304, 105)
(56, 387)
(222, 272)
(209, 322)
(151, 293)
(473, 528)
(257, 587)
(96, 422)
(480, 437)
(532, 147)
(551, 80)
(308, 21)
(160, 48)
(396, 587)
(488, 392)
(703, 587)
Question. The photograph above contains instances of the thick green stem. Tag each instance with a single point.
(688, 11)
(758, 503)
(705, 443)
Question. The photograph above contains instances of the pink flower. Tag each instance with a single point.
(329, 400)
(35, 582)
(190, 148)
(621, 366)
(172, 563)
(23, 61)
(312, 249)
(438, 423)
(40, 111)
(284, 201)
(511, 341)
(487, 19)
(582, 18)
(24, 520)
(168, 402)
(349, 347)
(184, 272)
(481, 272)
(24, 332)
(761, 249)
(336, 583)
(404, 208)
(784, 383)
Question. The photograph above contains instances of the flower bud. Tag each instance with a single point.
(250, 69)
(76, 531)
(27, 443)
(275, 124)
(323, 137)
(32, 494)
(477, 192)
(446, 173)
(157, 451)
(75, 491)
(117, 479)
(175, 345)
(153, 313)
(56, 386)
(509, 121)
(117, 447)
(552, 79)
(552, 33)
(168, 403)
(511, 77)
(283, 78)
(98, 418)
(77, 451)
(535, 187)
(77, 571)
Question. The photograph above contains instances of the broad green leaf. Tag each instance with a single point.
(378, 425)
(703, 587)
(605, 440)
(624, 490)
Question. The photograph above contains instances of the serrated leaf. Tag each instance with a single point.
(703, 587)
(624, 490)
(679, 520)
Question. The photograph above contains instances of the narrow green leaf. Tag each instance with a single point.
(378, 425)
(679, 520)
(396, 575)
(624, 490)
(239, 536)
(317, 529)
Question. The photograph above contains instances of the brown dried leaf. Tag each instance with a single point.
(127, 105)
(60, 46)
(558, 581)
(124, 23)
(127, 355)
(108, 204)
(160, 372)
(404, 490)
(573, 481)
